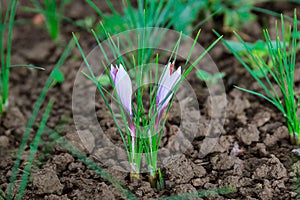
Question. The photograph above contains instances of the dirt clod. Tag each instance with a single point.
(224, 162)
(56, 197)
(61, 161)
(46, 182)
(4, 142)
(272, 169)
(248, 135)
(178, 169)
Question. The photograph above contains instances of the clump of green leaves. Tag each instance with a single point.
(259, 49)
(282, 55)
(6, 25)
(52, 11)
(235, 13)
(149, 13)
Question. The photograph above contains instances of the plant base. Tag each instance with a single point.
(156, 180)
(295, 139)
(134, 176)
(3, 107)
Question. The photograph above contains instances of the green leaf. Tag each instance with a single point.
(203, 75)
(255, 93)
(104, 80)
(58, 76)
(1, 105)
(219, 75)
(27, 66)
(188, 13)
(113, 24)
(238, 46)
(207, 77)
(260, 46)
(260, 72)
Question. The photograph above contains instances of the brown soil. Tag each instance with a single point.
(262, 171)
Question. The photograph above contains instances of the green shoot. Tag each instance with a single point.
(58, 76)
(235, 13)
(6, 24)
(33, 117)
(259, 49)
(53, 14)
(33, 149)
(150, 14)
(104, 80)
(282, 55)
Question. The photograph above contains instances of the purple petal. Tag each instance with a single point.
(167, 83)
(113, 72)
(124, 88)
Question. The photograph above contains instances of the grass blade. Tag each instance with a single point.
(33, 116)
(33, 149)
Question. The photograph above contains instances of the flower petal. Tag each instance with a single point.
(124, 88)
(113, 72)
(167, 83)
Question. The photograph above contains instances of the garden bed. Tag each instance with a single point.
(263, 170)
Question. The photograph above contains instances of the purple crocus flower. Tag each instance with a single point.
(123, 86)
(167, 82)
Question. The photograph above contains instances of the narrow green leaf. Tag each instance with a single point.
(33, 117)
(33, 149)
(27, 66)
(58, 76)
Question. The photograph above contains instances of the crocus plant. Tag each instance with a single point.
(143, 126)
(164, 93)
(123, 88)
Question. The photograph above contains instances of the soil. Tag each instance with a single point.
(262, 170)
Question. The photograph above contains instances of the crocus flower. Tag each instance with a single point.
(123, 87)
(167, 82)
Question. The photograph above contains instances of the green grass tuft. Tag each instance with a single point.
(282, 55)
(6, 25)
(33, 117)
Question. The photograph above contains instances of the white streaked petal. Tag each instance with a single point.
(166, 86)
(165, 75)
(175, 78)
(124, 88)
(164, 79)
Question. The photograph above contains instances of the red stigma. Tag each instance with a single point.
(171, 68)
